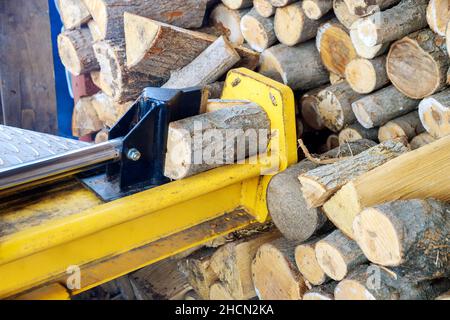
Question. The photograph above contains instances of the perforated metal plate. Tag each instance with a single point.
(18, 146)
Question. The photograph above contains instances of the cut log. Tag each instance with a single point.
(202, 143)
(411, 234)
(298, 67)
(319, 184)
(366, 76)
(218, 292)
(363, 8)
(338, 255)
(316, 9)
(76, 53)
(228, 22)
(118, 81)
(275, 275)
(198, 271)
(281, 3)
(238, 4)
(421, 140)
(207, 68)
(343, 14)
(357, 132)
(156, 48)
(401, 178)
(435, 114)
(417, 65)
(321, 293)
(335, 47)
(217, 104)
(264, 8)
(335, 78)
(107, 110)
(258, 31)
(102, 136)
(233, 262)
(445, 296)
(405, 127)
(332, 142)
(215, 90)
(378, 283)
(306, 261)
(108, 14)
(364, 51)
(438, 15)
(85, 120)
(382, 106)
(310, 109)
(335, 106)
(286, 203)
(95, 31)
(73, 13)
(292, 26)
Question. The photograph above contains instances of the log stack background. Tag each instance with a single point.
(371, 84)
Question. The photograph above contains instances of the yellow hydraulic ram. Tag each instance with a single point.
(52, 236)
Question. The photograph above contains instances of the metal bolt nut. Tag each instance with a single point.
(134, 155)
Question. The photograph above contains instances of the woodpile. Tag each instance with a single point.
(368, 201)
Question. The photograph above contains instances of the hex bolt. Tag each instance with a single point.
(134, 155)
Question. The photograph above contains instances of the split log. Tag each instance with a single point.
(286, 203)
(335, 47)
(73, 13)
(94, 29)
(218, 292)
(417, 64)
(298, 67)
(366, 76)
(357, 132)
(335, 106)
(232, 263)
(258, 31)
(264, 8)
(378, 283)
(198, 271)
(364, 51)
(310, 109)
(306, 261)
(434, 113)
(108, 14)
(343, 14)
(363, 8)
(191, 151)
(338, 255)
(438, 15)
(411, 234)
(399, 179)
(275, 275)
(292, 26)
(395, 23)
(76, 53)
(156, 48)
(118, 81)
(421, 140)
(321, 293)
(107, 110)
(406, 127)
(218, 104)
(319, 184)
(85, 120)
(382, 106)
(207, 68)
(238, 4)
(316, 9)
(228, 22)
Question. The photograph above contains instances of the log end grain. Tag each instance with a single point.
(361, 75)
(435, 117)
(305, 257)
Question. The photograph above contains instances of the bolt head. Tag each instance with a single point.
(134, 155)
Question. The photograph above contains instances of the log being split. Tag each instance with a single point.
(343, 14)
(258, 31)
(215, 139)
(338, 255)
(108, 14)
(395, 23)
(275, 275)
(400, 178)
(306, 261)
(335, 106)
(76, 53)
(73, 13)
(85, 120)
(405, 127)
(335, 47)
(292, 26)
(364, 51)
(411, 234)
(156, 48)
(321, 293)
(264, 8)
(364, 8)
(299, 67)
(357, 132)
(319, 184)
(434, 113)
(286, 204)
(378, 283)
(382, 106)
(207, 68)
(417, 64)
(238, 4)
(228, 22)
(310, 109)
(421, 140)
(316, 9)
(232, 263)
(366, 76)
(438, 15)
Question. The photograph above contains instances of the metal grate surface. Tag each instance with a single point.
(18, 146)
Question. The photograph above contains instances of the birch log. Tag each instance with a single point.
(405, 127)
(258, 31)
(365, 76)
(434, 114)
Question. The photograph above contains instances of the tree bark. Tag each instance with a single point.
(366, 76)
(357, 132)
(310, 109)
(434, 113)
(258, 31)
(73, 13)
(405, 127)
(363, 8)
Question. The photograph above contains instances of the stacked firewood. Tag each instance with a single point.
(367, 219)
